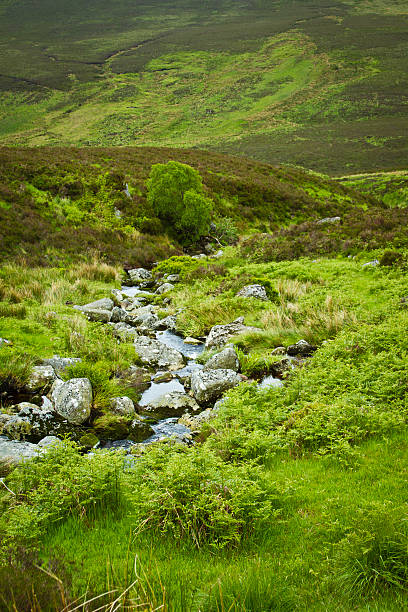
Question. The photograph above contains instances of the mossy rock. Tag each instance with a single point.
(88, 440)
(111, 426)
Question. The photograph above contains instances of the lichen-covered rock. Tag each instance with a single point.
(48, 441)
(117, 297)
(138, 275)
(301, 348)
(164, 288)
(122, 405)
(328, 220)
(144, 317)
(156, 354)
(41, 378)
(225, 360)
(253, 291)
(73, 400)
(171, 404)
(60, 364)
(173, 278)
(195, 421)
(124, 331)
(13, 452)
(32, 424)
(103, 304)
(169, 323)
(209, 385)
(98, 315)
(119, 314)
(221, 334)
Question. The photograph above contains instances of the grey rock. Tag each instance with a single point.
(117, 297)
(171, 404)
(60, 364)
(41, 377)
(32, 424)
(173, 278)
(48, 441)
(46, 403)
(328, 220)
(73, 399)
(226, 360)
(4, 342)
(103, 304)
(138, 275)
(169, 323)
(193, 341)
(301, 348)
(219, 254)
(98, 315)
(279, 350)
(280, 368)
(119, 315)
(253, 291)
(209, 385)
(164, 288)
(371, 264)
(13, 452)
(156, 354)
(200, 256)
(124, 332)
(195, 421)
(122, 405)
(220, 334)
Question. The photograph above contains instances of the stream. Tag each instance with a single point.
(169, 427)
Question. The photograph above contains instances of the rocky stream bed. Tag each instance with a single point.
(180, 394)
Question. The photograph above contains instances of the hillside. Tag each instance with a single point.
(64, 204)
(315, 83)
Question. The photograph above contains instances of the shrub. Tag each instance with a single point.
(15, 369)
(175, 191)
(192, 494)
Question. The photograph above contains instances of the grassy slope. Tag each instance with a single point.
(59, 203)
(298, 83)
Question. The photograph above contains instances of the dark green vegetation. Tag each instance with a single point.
(63, 204)
(316, 83)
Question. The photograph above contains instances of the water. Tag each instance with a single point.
(170, 339)
(166, 429)
(270, 381)
(133, 291)
(157, 390)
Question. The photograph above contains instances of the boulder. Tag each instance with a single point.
(119, 315)
(301, 348)
(13, 452)
(48, 441)
(209, 385)
(171, 404)
(41, 378)
(60, 364)
(103, 304)
(32, 424)
(279, 350)
(138, 275)
(164, 288)
(98, 315)
(193, 341)
(122, 405)
(226, 360)
(144, 317)
(195, 421)
(173, 278)
(124, 331)
(220, 334)
(169, 323)
(120, 427)
(253, 291)
(156, 354)
(72, 400)
(117, 297)
(279, 368)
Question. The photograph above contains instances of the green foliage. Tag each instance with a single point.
(225, 231)
(175, 191)
(191, 494)
(56, 484)
(18, 311)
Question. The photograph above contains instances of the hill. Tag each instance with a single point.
(59, 204)
(319, 84)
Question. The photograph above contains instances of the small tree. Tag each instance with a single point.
(176, 193)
